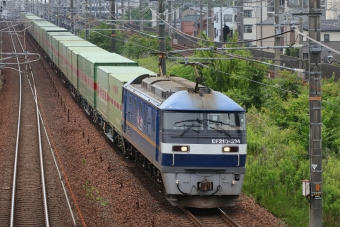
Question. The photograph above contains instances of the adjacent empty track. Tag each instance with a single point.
(30, 193)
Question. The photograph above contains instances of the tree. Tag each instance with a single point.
(294, 52)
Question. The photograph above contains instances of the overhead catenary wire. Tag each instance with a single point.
(321, 44)
(206, 40)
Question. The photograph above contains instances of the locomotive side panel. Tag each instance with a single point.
(140, 125)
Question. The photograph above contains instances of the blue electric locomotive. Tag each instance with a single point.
(190, 138)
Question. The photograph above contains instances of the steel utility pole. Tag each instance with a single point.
(300, 42)
(90, 7)
(129, 10)
(169, 18)
(72, 17)
(201, 19)
(221, 27)
(277, 28)
(113, 33)
(161, 33)
(240, 21)
(300, 36)
(277, 41)
(175, 18)
(100, 9)
(141, 24)
(261, 28)
(49, 11)
(58, 7)
(210, 26)
(86, 21)
(315, 139)
(45, 10)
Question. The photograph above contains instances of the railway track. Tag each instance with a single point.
(180, 47)
(28, 203)
(209, 217)
(29, 195)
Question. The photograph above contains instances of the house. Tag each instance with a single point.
(267, 29)
(223, 16)
(251, 16)
(330, 36)
(232, 17)
(188, 24)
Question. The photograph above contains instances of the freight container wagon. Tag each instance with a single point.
(28, 21)
(49, 41)
(87, 80)
(35, 29)
(72, 68)
(44, 37)
(55, 45)
(63, 61)
(111, 80)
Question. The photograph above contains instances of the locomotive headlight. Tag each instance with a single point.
(226, 149)
(180, 148)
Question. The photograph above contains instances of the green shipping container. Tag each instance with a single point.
(110, 80)
(87, 66)
(55, 45)
(63, 61)
(44, 37)
(49, 40)
(28, 19)
(32, 25)
(37, 26)
(72, 53)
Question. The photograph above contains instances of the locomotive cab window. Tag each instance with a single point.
(227, 121)
(200, 124)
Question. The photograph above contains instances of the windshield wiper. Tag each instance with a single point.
(187, 129)
(189, 126)
(219, 128)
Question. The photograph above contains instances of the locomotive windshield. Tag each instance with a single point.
(184, 123)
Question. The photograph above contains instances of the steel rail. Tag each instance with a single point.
(191, 216)
(55, 160)
(16, 144)
(228, 219)
(40, 151)
(34, 93)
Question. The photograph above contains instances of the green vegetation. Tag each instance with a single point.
(133, 47)
(91, 193)
(135, 15)
(294, 52)
(278, 130)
